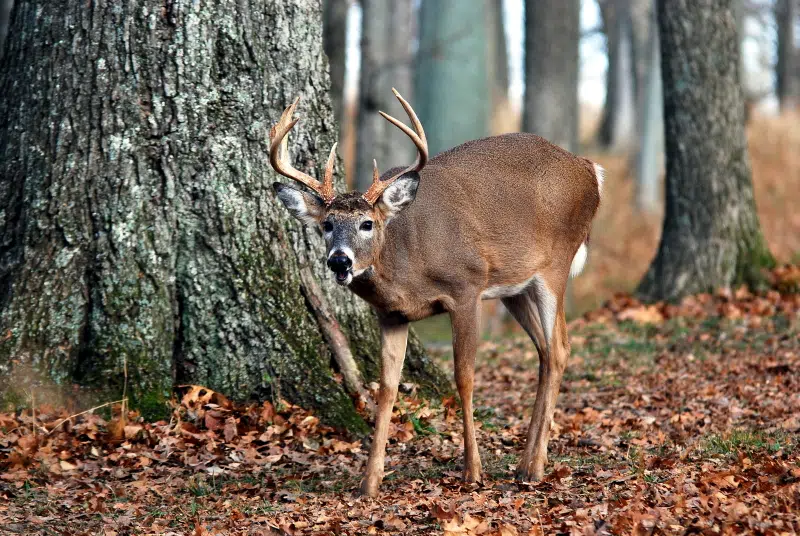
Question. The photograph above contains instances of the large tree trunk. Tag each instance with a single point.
(552, 35)
(711, 235)
(5, 12)
(334, 34)
(452, 94)
(139, 229)
(386, 59)
(788, 65)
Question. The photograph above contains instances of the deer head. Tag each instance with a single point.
(353, 223)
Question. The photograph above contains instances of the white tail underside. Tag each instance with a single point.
(578, 261)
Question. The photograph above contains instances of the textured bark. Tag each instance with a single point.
(788, 65)
(552, 35)
(5, 13)
(711, 235)
(385, 64)
(452, 92)
(139, 227)
(334, 35)
(618, 123)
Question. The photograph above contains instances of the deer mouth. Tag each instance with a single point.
(343, 278)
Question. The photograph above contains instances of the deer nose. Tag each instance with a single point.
(339, 262)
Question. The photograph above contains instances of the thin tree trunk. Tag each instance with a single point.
(498, 55)
(334, 35)
(651, 131)
(552, 35)
(711, 235)
(139, 228)
(788, 65)
(618, 123)
(451, 81)
(385, 64)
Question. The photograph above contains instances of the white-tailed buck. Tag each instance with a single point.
(503, 217)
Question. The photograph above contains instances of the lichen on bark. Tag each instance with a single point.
(139, 229)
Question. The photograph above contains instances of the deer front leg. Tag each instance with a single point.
(393, 350)
(466, 322)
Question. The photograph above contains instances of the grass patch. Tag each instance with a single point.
(747, 441)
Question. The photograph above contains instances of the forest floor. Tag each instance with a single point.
(672, 419)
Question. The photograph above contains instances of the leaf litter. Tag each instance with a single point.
(672, 419)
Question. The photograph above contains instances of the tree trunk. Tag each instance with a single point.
(711, 235)
(498, 55)
(649, 156)
(451, 82)
(386, 57)
(788, 65)
(5, 14)
(618, 123)
(334, 35)
(552, 35)
(140, 231)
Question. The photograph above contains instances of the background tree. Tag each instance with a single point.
(334, 35)
(140, 232)
(788, 65)
(618, 123)
(386, 59)
(650, 119)
(711, 235)
(498, 65)
(452, 94)
(552, 33)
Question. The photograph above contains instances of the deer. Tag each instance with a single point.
(504, 217)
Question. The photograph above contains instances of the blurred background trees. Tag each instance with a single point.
(586, 74)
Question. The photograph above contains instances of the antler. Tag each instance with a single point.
(279, 157)
(417, 136)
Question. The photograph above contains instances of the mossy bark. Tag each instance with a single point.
(139, 229)
(711, 235)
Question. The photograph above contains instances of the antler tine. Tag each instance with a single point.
(417, 136)
(279, 156)
(327, 182)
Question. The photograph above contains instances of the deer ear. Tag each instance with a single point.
(306, 207)
(399, 195)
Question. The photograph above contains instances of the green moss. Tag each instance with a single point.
(752, 263)
(152, 405)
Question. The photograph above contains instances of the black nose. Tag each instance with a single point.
(339, 262)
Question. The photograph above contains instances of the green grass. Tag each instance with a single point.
(747, 441)
(434, 330)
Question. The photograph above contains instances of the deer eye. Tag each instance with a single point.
(327, 226)
(366, 226)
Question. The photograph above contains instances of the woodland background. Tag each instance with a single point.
(171, 348)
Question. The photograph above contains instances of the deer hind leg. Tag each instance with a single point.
(540, 311)
(466, 323)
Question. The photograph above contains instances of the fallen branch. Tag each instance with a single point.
(62, 421)
(333, 335)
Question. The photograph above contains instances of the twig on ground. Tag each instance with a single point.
(62, 421)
